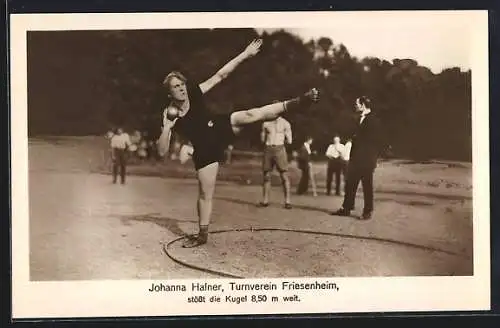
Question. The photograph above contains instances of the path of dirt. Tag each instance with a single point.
(82, 227)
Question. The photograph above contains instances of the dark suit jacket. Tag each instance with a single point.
(304, 157)
(366, 144)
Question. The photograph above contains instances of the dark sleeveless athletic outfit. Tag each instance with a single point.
(209, 133)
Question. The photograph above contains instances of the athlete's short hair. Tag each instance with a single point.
(171, 75)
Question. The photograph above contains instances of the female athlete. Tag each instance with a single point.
(209, 133)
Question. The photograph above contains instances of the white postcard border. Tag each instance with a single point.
(131, 298)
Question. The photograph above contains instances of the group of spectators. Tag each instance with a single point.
(337, 154)
(125, 147)
(139, 145)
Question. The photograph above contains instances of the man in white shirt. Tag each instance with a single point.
(120, 143)
(335, 154)
(346, 155)
(275, 135)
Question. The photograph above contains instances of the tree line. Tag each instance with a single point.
(85, 82)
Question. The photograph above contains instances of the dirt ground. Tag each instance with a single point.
(82, 227)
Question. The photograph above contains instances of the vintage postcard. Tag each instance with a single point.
(186, 164)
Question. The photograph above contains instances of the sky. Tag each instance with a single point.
(434, 41)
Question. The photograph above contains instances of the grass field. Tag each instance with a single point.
(84, 227)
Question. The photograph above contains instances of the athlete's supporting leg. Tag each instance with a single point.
(207, 177)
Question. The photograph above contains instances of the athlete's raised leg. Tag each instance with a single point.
(272, 111)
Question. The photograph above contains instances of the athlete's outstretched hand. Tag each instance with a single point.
(253, 48)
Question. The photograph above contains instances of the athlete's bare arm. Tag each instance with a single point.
(251, 50)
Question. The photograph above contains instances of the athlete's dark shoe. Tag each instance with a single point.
(195, 241)
(303, 101)
(312, 95)
(288, 206)
(262, 204)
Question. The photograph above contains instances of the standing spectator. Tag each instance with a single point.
(229, 154)
(120, 143)
(136, 137)
(366, 147)
(275, 134)
(151, 152)
(142, 150)
(304, 164)
(107, 157)
(135, 140)
(335, 165)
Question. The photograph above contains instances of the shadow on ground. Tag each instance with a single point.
(165, 222)
(295, 206)
(422, 194)
(173, 226)
(329, 210)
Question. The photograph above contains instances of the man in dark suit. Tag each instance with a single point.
(304, 164)
(366, 145)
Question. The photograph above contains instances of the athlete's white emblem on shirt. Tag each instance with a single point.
(210, 123)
